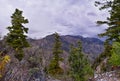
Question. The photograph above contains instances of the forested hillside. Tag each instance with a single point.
(66, 57)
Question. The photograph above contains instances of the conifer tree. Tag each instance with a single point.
(80, 69)
(54, 67)
(113, 21)
(16, 37)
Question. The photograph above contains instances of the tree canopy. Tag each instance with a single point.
(54, 67)
(16, 37)
(113, 21)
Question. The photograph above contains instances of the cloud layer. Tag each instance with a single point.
(74, 17)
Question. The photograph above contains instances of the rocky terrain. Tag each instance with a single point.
(108, 76)
(39, 54)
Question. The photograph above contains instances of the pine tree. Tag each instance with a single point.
(54, 67)
(113, 21)
(80, 69)
(16, 37)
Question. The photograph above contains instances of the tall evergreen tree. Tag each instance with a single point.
(54, 67)
(16, 37)
(80, 69)
(113, 21)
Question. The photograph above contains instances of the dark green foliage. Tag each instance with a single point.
(54, 67)
(113, 21)
(57, 48)
(80, 69)
(115, 54)
(19, 56)
(16, 37)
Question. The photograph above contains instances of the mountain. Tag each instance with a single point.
(38, 56)
(91, 46)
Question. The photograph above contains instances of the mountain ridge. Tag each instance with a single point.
(91, 46)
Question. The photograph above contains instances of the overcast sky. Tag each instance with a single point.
(73, 17)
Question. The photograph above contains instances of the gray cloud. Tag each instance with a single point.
(91, 14)
(49, 16)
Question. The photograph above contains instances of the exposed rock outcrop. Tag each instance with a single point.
(108, 76)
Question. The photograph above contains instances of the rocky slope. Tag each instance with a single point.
(38, 56)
